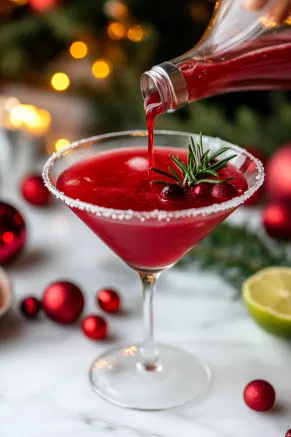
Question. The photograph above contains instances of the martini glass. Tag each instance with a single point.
(149, 375)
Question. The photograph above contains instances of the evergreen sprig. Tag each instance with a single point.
(202, 166)
(235, 253)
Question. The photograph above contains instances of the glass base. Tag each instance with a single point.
(177, 379)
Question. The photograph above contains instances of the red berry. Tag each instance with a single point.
(94, 327)
(199, 191)
(223, 192)
(30, 307)
(276, 220)
(259, 395)
(34, 191)
(173, 192)
(108, 300)
(288, 433)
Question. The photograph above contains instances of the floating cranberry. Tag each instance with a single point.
(223, 192)
(173, 192)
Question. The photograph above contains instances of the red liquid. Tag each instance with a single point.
(119, 179)
(258, 65)
(153, 107)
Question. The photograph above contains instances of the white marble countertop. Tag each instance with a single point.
(44, 390)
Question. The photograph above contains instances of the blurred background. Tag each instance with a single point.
(75, 65)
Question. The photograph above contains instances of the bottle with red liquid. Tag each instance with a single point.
(241, 50)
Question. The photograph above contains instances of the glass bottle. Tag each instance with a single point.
(240, 50)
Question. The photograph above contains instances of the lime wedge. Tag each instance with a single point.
(267, 295)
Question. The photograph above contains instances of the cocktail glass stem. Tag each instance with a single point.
(148, 353)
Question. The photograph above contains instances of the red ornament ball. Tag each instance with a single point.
(223, 192)
(34, 191)
(278, 175)
(12, 233)
(259, 395)
(63, 302)
(108, 300)
(94, 327)
(276, 221)
(288, 433)
(30, 307)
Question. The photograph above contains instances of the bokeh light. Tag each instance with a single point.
(135, 33)
(62, 142)
(116, 31)
(60, 81)
(78, 50)
(29, 117)
(115, 9)
(101, 69)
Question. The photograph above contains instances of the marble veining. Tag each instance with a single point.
(44, 391)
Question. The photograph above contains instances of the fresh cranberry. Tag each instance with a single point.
(223, 192)
(198, 191)
(173, 192)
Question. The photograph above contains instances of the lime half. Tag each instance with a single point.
(267, 295)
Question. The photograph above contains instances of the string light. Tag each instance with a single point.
(62, 142)
(101, 69)
(135, 33)
(116, 31)
(78, 50)
(60, 81)
(29, 117)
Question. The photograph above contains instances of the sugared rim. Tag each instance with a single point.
(117, 214)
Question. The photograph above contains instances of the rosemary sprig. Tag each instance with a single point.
(202, 167)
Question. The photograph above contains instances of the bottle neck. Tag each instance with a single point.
(165, 83)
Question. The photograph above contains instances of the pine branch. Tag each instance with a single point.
(235, 253)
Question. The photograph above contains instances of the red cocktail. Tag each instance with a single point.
(151, 223)
(118, 179)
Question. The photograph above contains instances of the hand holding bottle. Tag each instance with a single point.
(279, 11)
